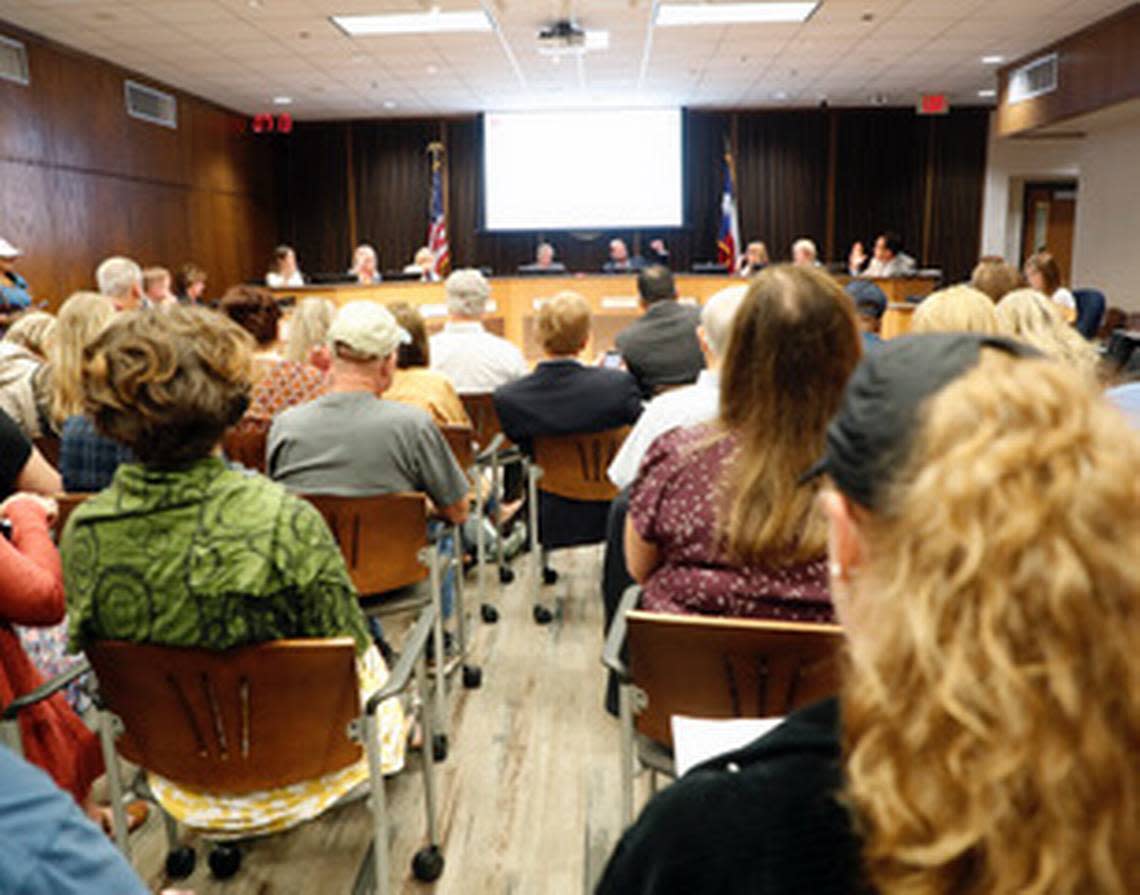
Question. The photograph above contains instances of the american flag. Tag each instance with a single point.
(728, 240)
(437, 228)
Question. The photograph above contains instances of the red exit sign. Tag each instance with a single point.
(933, 104)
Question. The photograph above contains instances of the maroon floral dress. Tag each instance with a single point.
(673, 505)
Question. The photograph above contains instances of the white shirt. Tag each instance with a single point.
(687, 406)
(474, 359)
(1064, 298)
(901, 265)
(274, 280)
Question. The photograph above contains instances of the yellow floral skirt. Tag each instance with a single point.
(274, 810)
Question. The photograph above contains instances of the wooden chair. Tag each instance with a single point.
(67, 503)
(254, 718)
(48, 446)
(493, 450)
(246, 443)
(709, 667)
(573, 467)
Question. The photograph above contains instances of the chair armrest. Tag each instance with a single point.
(414, 646)
(44, 691)
(615, 637)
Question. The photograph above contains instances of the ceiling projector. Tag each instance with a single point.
(561, 39)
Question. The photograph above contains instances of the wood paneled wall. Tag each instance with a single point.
(81, 180)
(833, 175)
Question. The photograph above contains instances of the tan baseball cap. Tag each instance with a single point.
(368, 329)
(7, 250)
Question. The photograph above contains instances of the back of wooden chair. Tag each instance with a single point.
(461, 441)
(48, 446)
(727, 667)
(380, 537)
(574, 466)
(246, 719)
(67, 503)
(246, 443)
(480, 408)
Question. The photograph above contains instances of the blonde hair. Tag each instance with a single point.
(81, 318)
(793, 345)
(34, 330)
(308, 328)
(564, 324)
(957, 309)
(992, 716)
(995, 277)
(1028, 315)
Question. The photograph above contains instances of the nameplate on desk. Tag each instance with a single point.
(491, 305)
(623, 302)
(428, 311)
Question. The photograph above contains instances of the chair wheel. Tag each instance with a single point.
(180, 862)
(427, 865)
(225, 860)
(506, 575)
(439, 747)
(489, 613)
(472, 677)
(542, 615)
(549, 576)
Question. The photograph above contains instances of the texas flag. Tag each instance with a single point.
(728, 241)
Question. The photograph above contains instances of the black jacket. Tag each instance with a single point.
(563, 397)
(760, 821)
(661, 348)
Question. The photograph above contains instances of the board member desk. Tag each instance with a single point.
(612, 298)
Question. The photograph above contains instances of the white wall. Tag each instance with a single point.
(1010, 163)
(1106, 251)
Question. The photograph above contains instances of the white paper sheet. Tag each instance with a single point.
(696, 740)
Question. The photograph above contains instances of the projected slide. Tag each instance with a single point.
(582, 170)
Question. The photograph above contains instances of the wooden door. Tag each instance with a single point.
(1050, 212)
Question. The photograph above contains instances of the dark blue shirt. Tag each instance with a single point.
(88, 460)
(47, 846)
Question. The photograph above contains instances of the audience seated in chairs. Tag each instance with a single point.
(979, 743)
(23, 355)
(995, 277)
(472, 358)
(190, 284)
(352, 441)
(181, 551)
(255, 310)
(1044, 274)
(870, 306)
(1029, 316)
(960, 309)
(660, 349)
(121, 280)
(564, 397)
(303, 373)
(414, 382)
(718, 523)
(87, 458)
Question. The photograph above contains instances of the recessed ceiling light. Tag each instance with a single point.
(780, 95)
(987, 94)
(433, 69)
(389, 104)
(670, 14)
(433, 22)
(993, 60)
(282, 100)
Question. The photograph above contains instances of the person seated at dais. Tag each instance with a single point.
(283, 270)
(423, 265)
(365, 265)
(182, 551)
(543, 261)
(718, 523)
(754, 260)
(887, 260)
(804, 253)
(620, 261)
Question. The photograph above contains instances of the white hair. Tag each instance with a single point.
(117, 276)
(717, 316)
(467, 293)
(805, 245)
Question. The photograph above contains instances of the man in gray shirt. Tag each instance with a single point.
(351, 441)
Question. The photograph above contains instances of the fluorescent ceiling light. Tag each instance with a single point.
(993, 60)
(433, 22)
(282, 100)
(987, 94)
(669, 14)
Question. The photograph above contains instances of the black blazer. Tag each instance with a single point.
(661, 348)
(562, 397)
(763, 820)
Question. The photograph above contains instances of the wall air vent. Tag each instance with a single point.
(151, 105)
(1033, 79)
(13, 60)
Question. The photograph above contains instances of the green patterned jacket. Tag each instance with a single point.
(203, 556)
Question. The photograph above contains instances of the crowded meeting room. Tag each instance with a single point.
(569, 447)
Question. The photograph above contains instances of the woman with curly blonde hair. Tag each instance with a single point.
(1028, 315)
(959, 309)
(984, 521)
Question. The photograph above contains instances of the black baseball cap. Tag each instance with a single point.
(872, 431)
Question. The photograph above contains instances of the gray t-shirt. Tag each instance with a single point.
(356, 445)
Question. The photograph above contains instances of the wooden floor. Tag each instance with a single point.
(529, 793)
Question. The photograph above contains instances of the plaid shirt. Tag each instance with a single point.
(88, 460)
